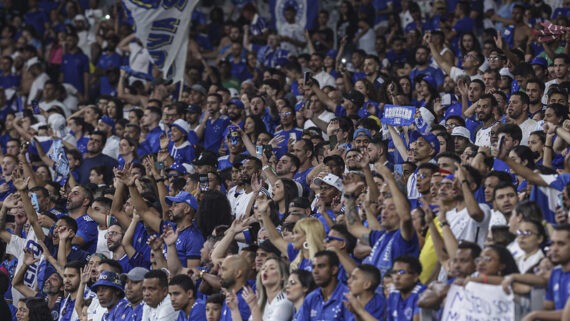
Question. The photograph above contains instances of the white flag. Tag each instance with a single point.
(163, 27)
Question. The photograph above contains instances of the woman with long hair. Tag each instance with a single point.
(370, 106)
(214, 210)
(299, 284)
(493, 265)
(271, 303)
(253, 126)
(284, 191)
(33, 309)
(308, 239)
(523, 155)
(128, 152)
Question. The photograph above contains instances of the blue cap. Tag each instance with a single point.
(183, 197)
(361, 132)
(332, 53)
(540, 61)
(176, 166)
(236, 102)
(431, 82)
(110, 279)
(193, 108)
(450, 177)
(107, 121)
(429, 137)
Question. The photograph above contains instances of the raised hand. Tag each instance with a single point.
(86, 273)
(155, 243)
(12, 200)
(231, 300)
(65, 233)
(19, 182)
(29, 258)
(169, 236)
(350, 187)
(249, 296)
(164, 141)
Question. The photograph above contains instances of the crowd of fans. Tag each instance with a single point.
(269, 185)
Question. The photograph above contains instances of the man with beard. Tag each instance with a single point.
(558, 289)
(287, 166)
(485, 110)
(491, 180)
(114, 242)
(377, 152)
(78, 201)
(560, 73)
(95, 158)
(251, 167)
(330, 190)
(233, 275)
(371, 68)
(303, 149)
(402, 303)
(423, 183)
(181, 234)
(270, 116)
(110, 293)
(534, 90)
(134, 293)
(325, 302)
(288, 130)
(505, 198)
(71, 280)
(236, 148)
(183, 297)
(213, 124)
(426, 147)
(352, 159)
(158, 306)
(236, 114)
(423, 67)
(106, 125)
(517, 113)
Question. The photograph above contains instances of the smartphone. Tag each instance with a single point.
(268, 150)
(258, 151)
(293, 136)
(35, 203)
(234, 136)
(446, 100)
(343, 61)
(307, 78)
(332, 141)
(159, 165)
(36, 107)
(204, 183)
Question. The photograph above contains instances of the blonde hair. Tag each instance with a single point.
(261, 291)
(314, 237)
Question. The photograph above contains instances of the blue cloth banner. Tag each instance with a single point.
(398, 115)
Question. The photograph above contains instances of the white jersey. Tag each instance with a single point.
(16, 248)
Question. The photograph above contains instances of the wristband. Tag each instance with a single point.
(444, 223)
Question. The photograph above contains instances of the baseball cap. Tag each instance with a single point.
(107, 121)
(335, 158)
(355, 97)
(430, 81)
(110, 279)
(429, 137)
(362, 132)
(331, 53)
(206, 158)
(504, 72)
(182, 125)
(540, 61)
(193, 108)
(136, 274)
(330, 179)
(236, 102)
(461, 132)
(176, 166)
(183, 197)
(199, 88)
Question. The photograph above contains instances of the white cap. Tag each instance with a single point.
(505, 72)
(331, 180)
(462, 132)
(182, 125)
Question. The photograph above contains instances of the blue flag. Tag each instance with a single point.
(398, 115)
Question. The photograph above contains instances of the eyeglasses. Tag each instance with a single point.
(288, 113)
(400, 272)
(329, 239)
(484, 259)
(451, 125)
(522, 233)
(112, 234)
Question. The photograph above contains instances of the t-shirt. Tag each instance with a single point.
(558, 288)
(400, 309)
(315, 308)
(466, 228)
(388, 245)
(73, 67)
(189, 242)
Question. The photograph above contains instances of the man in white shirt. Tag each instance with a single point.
(517, 113)
(291, 33)
(40, 78)
(560, 67)
(107, 125)
(322, 77)
(158, 306)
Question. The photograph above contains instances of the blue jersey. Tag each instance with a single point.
(198, 312)
(558, 288)
(142, 255)
(67, 308)
(117, 311)
(282, 148)
(301, 178)
(152, 141)
(242, 306)
(377, 307)
(87, 230)
(213, 133)
(315, 308)
(189, 242)
(399, 309)
(131, 313)
(388, 245)
(73, 67)
(183, 154)
(292, 253)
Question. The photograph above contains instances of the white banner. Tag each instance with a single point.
(164, 27)
(478, 302)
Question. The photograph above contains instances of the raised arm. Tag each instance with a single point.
(173, 261)
(470, 202)
(441, 62)
(274, 236)
(221, 249)
(401, 202)
(398, 142)
(127, 241)
(354, 224)
(18, 281)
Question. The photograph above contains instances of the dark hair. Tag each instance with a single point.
(114, 264)
(371, 273)
(413, 263)
(103, 136)
(525, 154)
(473, 247)
(524, 97)
(290, 191)
(350, 240)
(184, 281)
(213, 202)
(306, 279)
(502, 185)
(332, 257)
(505, 258)
(560, 110)
(511, 129)
(216, 298)
(475, 175)
(502, 176)
(38, 309)
(77, 265)
(294, 159)
(529, 210)
(70, 221)
(160, 275)
(451, 155)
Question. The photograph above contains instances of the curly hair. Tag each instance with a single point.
(38, 309)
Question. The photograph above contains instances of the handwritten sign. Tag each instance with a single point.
(478, 302)
(398, 115)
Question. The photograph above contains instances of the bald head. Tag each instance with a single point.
(233, 272)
